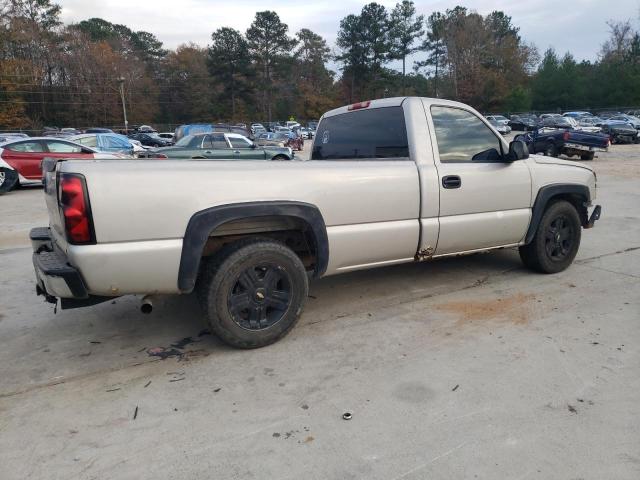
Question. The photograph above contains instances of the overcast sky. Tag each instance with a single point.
(578, 26)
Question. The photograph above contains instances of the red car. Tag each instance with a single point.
(20, 158)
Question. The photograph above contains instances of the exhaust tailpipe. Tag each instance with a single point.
(146, 306)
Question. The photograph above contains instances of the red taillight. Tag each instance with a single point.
(159, 155)
(358, 106)
(75, 209)
(565, 136)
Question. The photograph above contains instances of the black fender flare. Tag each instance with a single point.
(204, 222)
(546, 193)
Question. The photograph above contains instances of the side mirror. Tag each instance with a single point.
(518, 150)
(253, 146)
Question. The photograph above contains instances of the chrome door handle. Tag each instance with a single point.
(236, 152)
(208, 152)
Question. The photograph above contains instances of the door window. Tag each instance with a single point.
(239, 142)
(63, 147)
(27, 147)
(463, 137)
(215, 141)
(91, 141)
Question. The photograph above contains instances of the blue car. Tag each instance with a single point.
(105, 142)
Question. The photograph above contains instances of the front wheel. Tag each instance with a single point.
(556, 241)
(587, 156)
(8, 180)
(253, 292)
(280, 157)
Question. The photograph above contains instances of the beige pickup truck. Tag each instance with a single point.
(389, 181)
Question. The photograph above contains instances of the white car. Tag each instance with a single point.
(305, 133)
(137, 146)
(582, 127)
(499, 118)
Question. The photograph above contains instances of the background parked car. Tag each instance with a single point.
(167, 135)
(548, 115)
(105, 142)
(577, 114)
(223, 146)
(500, 119)
(630, 119)
(567, 123)
(608, 115)
(590, 120)
(196, 128)
(98, 130)
(523, 123)
(619, 131)
(556, 122)
(272, 139)
(502, 128)
(138, 147)
(24, 157)
(305, 133)
(6, 136)
(151, 139)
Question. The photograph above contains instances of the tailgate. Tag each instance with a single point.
(590, 139)
(50, 181)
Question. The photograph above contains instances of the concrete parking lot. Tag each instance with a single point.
(461, 368)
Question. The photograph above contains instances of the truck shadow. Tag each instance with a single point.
(116, 335)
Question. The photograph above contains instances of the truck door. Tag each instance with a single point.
(370, 193)
(484, 200)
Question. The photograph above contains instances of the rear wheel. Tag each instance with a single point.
(587, 156)
(551, 150)
(280, 157)
(556, 241)
(253, 292)
(8, 180)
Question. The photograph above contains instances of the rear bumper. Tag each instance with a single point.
(55, 277)
(585, 148)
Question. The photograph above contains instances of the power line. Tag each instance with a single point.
(53, 102)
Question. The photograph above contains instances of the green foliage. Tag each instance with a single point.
(268, 43)
(230, 65)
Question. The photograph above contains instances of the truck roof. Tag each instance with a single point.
(387, 102)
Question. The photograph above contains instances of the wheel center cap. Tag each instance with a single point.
(260, 294)
(557, 238)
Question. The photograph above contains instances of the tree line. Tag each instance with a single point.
(70, 75)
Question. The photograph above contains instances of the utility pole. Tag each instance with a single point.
(124, 107)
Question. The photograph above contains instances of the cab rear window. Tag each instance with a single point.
(375, 133)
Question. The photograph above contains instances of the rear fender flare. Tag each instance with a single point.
(204, 222)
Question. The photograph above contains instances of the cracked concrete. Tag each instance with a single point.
(460, 368)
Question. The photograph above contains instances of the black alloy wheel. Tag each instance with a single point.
(260, 297)
(556, 241)
(559, 238)
(253, 291)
